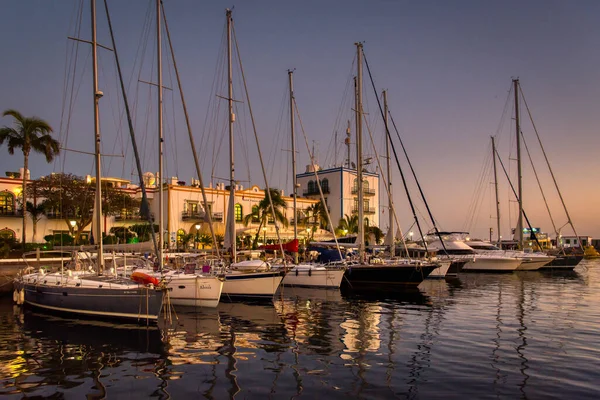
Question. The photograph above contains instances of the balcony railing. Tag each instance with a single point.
(59, 215)
(217, 217)
(131, 217)
(367, 191)
(315, 191)
(10, 213)
(191, 215)
(366, 210)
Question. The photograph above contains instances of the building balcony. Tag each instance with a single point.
(187, 215)
(59, 215)
(366, 191)
(366, 210)
(315, 191)
(130, 217)
(10, 213)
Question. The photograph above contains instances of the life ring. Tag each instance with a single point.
(145, 279)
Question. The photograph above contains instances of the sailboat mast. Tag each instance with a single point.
(361, 234)
(161, 206)
(97, 96)
(389, 173)
(496, 189)
(519, 172)
(230, 214)
(293, 133)
(347, 142)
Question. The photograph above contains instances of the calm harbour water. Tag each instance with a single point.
(522, 335)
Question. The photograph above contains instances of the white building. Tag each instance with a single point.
(573, 241)
(340, 190)
(185, 210)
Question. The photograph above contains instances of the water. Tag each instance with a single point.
(522, 335)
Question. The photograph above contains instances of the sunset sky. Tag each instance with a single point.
(447, 66)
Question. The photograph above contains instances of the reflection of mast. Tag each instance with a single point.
(521, 347)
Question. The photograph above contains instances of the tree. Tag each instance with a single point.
(35, 212)
(316, 217)
(262, 213)
(72, 198)
(348, 224)
(29, 133)
(205, 240)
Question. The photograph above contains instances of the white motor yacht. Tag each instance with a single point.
(457, 248)
(530, 261)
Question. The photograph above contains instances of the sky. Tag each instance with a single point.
(447, 67)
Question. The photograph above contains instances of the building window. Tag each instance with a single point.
(7, 203)
(238, 213)
(567, 241)
(255, 214)
(355, 185)
(7, 234)
(365, 205)
(325, 185)
(365, 185)
(191, 207)
(311, 187)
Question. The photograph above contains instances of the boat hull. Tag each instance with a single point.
(441, 271)
(192, 290)
(105, 301)
(534, 264)
(387, 275)
(251, 285)
(563, 263)
(481, 264)
(314, 276)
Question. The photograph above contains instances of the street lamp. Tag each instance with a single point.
(197, 226)
(410, 235)
(345, 232)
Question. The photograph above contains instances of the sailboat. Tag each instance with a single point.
(305, 274)
(83, 291)
(381, 274)
(189, 286)
(244, 280)
(561, 261)
(530, 261)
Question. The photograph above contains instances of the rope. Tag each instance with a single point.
(549, 167)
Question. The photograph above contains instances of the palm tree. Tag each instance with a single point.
(316, 217)
(348, 224)
(28, 133)
(35, 212)
(262, 213)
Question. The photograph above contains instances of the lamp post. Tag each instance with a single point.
(73, 223)
(197, 239)
(410, 235)
(264, 235)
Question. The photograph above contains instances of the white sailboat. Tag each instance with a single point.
(189, 286)
(306, 275)
(241, 281)
(78, 289)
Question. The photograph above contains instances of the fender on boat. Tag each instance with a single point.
(145, 279)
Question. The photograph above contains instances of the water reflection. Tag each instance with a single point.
(52, 354)
(479, 335)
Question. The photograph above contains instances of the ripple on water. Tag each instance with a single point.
(522, 335)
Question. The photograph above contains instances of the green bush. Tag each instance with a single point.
(143, 231)
(110, 240)
(59, 239)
